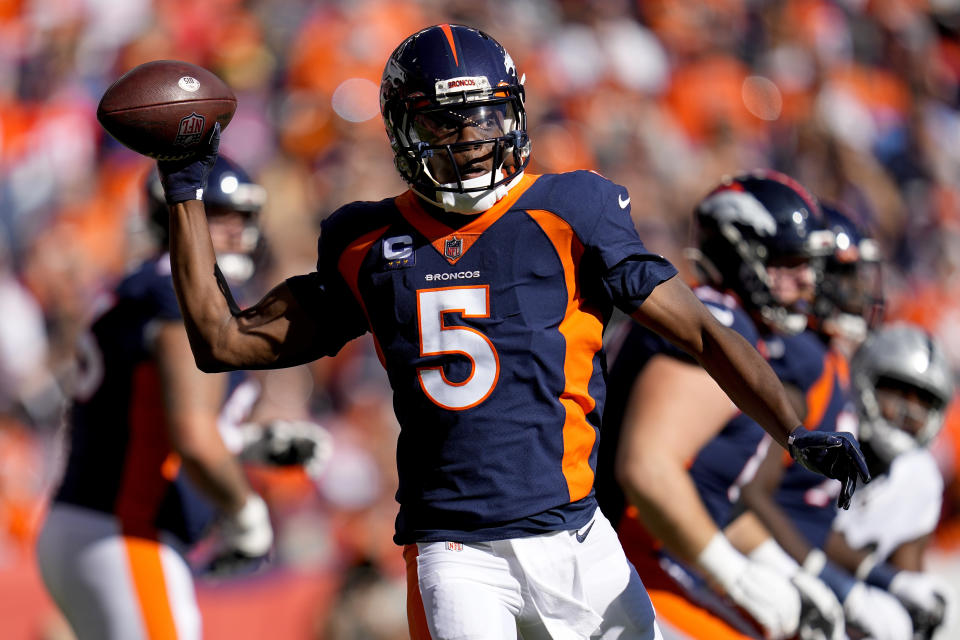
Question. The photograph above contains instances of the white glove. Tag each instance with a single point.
(287, 443)
(877, 614)
(924, 596)
(245, 539)
(821, 614)
(765, 594)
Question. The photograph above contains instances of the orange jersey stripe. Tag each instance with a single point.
(437, 233)
(843, 367)
(583, 331)
(143, 485)
(146, 571)
(349, 267)
(818, 396)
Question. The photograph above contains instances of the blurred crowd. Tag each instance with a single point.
(857, 99)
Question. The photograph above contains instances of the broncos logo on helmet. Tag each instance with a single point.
(452, 105)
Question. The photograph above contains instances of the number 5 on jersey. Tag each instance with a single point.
(437, 338)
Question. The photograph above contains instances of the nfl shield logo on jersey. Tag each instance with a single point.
(190, 129)
(453, 247)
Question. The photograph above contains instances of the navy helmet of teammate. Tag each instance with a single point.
(453, 108)
(233, 201)
(850, 298)
(751, 228)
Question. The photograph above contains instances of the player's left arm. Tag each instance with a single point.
(673, 311)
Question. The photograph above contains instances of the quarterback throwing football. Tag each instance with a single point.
(486, 290)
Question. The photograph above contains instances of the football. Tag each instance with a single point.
(166, 109)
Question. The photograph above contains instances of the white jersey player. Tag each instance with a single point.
(902, 384)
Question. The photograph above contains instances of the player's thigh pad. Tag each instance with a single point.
(113, 587)
(580, 584)
(468, 591)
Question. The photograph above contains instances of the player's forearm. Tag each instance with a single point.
(777, 522)
(192, 260)
(668, 504)
(211, 467)
(747, 378)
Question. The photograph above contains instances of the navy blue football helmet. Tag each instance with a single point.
(850, 299)
(229, 189)
(753, 221)
(439, 83)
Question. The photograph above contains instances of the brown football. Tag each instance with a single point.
(166, 109)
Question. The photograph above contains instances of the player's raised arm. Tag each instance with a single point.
(673, 311)
(276, 332)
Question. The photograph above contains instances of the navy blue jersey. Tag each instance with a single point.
(491, 336)
(120, 461)
(822, 376)
(725, 463)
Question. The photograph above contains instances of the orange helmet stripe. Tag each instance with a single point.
(449, 33)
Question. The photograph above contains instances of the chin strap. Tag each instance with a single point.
(478, 201)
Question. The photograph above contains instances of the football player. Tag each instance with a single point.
(676, 445)
(486, 289)
(902, 384)
(798, 506)
(147, 471)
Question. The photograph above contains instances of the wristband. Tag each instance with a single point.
(881, 575)
(839, 581)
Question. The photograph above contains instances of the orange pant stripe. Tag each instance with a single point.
(146, 569)
(416, 616)
(686, 617)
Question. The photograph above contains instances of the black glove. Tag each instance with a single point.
(186, 179)
(284, 443)
(834, 454)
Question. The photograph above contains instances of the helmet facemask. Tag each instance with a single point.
(723, 243)
(902, 383)
(889, 406)
(850, 301)
(464, 153)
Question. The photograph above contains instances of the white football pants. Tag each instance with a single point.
(562, 585)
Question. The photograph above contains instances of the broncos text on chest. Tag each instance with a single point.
(456, 275)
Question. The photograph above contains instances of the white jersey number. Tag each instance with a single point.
(89, 370)
(436, 338)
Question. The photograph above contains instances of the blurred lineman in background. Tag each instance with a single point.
(487, 290)
(676, 451)
(798, 506)
(148, 472)
(902, 384)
